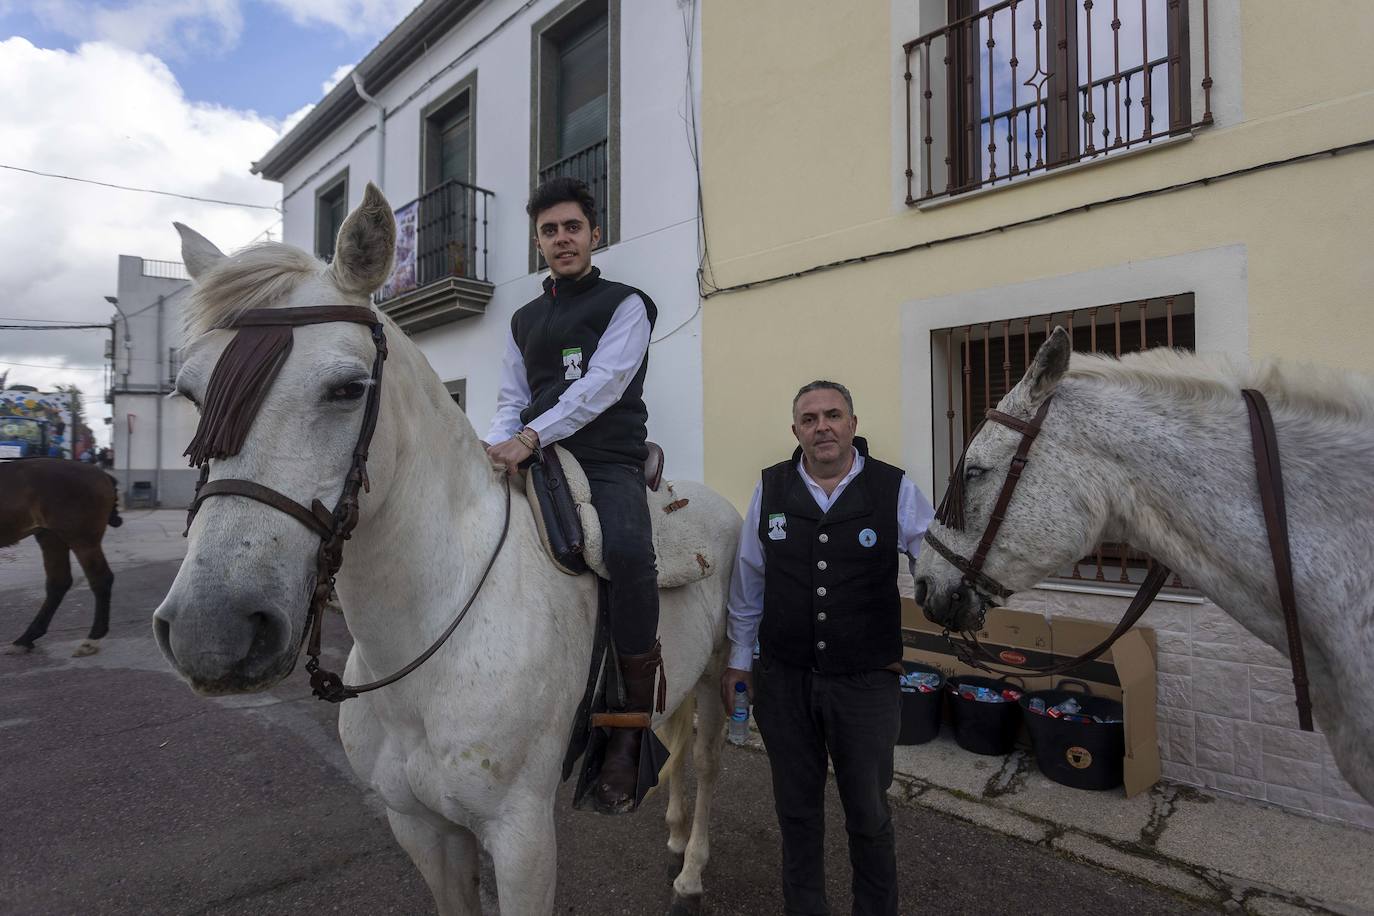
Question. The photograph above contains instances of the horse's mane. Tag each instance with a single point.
(256, 277)
(1215, 381)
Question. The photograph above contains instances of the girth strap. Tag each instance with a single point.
(317, 518)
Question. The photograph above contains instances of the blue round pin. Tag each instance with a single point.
(868, 537)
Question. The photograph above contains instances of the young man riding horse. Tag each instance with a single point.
(574, 374)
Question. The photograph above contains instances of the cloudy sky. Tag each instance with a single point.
(173, 95)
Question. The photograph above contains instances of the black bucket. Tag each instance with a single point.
(1081, 755)
(921, 711)
(984, 728)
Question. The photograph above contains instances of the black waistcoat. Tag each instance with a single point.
(557, 335)
(830, 597)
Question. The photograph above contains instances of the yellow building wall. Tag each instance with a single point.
(799, 159)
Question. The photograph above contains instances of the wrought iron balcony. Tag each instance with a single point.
(441, 258)
(1023, 86)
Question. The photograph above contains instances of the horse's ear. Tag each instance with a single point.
(366, 245)
(1050, 363)
(198, 253)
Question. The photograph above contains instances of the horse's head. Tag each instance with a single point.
(1048, 521)
(234, 618)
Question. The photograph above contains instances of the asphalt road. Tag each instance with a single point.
(125, 793)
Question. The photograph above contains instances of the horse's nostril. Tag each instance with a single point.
(267, 634)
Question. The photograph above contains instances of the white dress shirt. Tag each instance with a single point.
(618, 356)
(914, 514)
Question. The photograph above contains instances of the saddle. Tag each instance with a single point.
(560, 498)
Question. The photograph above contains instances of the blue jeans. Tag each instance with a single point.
(621, 502)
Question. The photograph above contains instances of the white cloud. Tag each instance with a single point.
(109, 114)
(174, 27)
(177, 28)
(290, 121)
(340, 72)
(358, 18)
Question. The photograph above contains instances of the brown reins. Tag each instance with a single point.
(238, 385)
(1269, 476)
(969, 651)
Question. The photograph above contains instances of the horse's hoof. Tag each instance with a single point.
(685, 905)
(87, 647)
(19, 648)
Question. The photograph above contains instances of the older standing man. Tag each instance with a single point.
(816, 584)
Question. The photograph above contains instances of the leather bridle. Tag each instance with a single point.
(1270, 479)
(336, 527)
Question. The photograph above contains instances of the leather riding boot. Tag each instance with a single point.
(619, 777)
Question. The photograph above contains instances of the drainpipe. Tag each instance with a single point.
(161, 376)
(381, 128)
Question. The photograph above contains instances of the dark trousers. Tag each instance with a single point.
(621, 502)
(804, 715)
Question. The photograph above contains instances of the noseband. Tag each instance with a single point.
(238, 385)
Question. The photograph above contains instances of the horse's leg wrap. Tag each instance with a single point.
(623, 781)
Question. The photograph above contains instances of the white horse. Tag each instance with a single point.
(466, 751)
(1154, 450)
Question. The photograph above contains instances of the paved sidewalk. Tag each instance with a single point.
(1237, 853)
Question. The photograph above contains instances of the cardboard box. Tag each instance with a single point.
(1126, 672)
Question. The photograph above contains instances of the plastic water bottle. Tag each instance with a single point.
(739, 716)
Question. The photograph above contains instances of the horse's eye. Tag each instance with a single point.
(350, 391)
(973, 473)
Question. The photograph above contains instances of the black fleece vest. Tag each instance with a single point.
(557, 335)
(830, 597)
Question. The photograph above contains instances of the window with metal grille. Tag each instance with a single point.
(1010, 88)
(983, 361)
(576, 101)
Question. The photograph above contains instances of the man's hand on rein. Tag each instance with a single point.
(513, 451)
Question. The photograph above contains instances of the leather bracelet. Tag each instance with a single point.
(525, 440)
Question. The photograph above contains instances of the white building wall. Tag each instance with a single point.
(658, 193)
(141, 381)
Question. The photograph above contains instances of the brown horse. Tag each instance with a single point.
(66, 506)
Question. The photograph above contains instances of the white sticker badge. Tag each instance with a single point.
(572, 363)
(777, 527)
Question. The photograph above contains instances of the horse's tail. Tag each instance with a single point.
(115, 521)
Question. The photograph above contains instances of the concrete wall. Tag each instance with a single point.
(657, 249)
(804, 119)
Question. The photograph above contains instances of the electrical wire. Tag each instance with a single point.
(6, 362)
(123, 187)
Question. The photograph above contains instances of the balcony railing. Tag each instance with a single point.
(590, 164)
(1024, 86)
(165, 270)
(440, 235)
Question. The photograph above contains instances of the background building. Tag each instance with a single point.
(149, 430)
(457, 115)
(908, 196)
